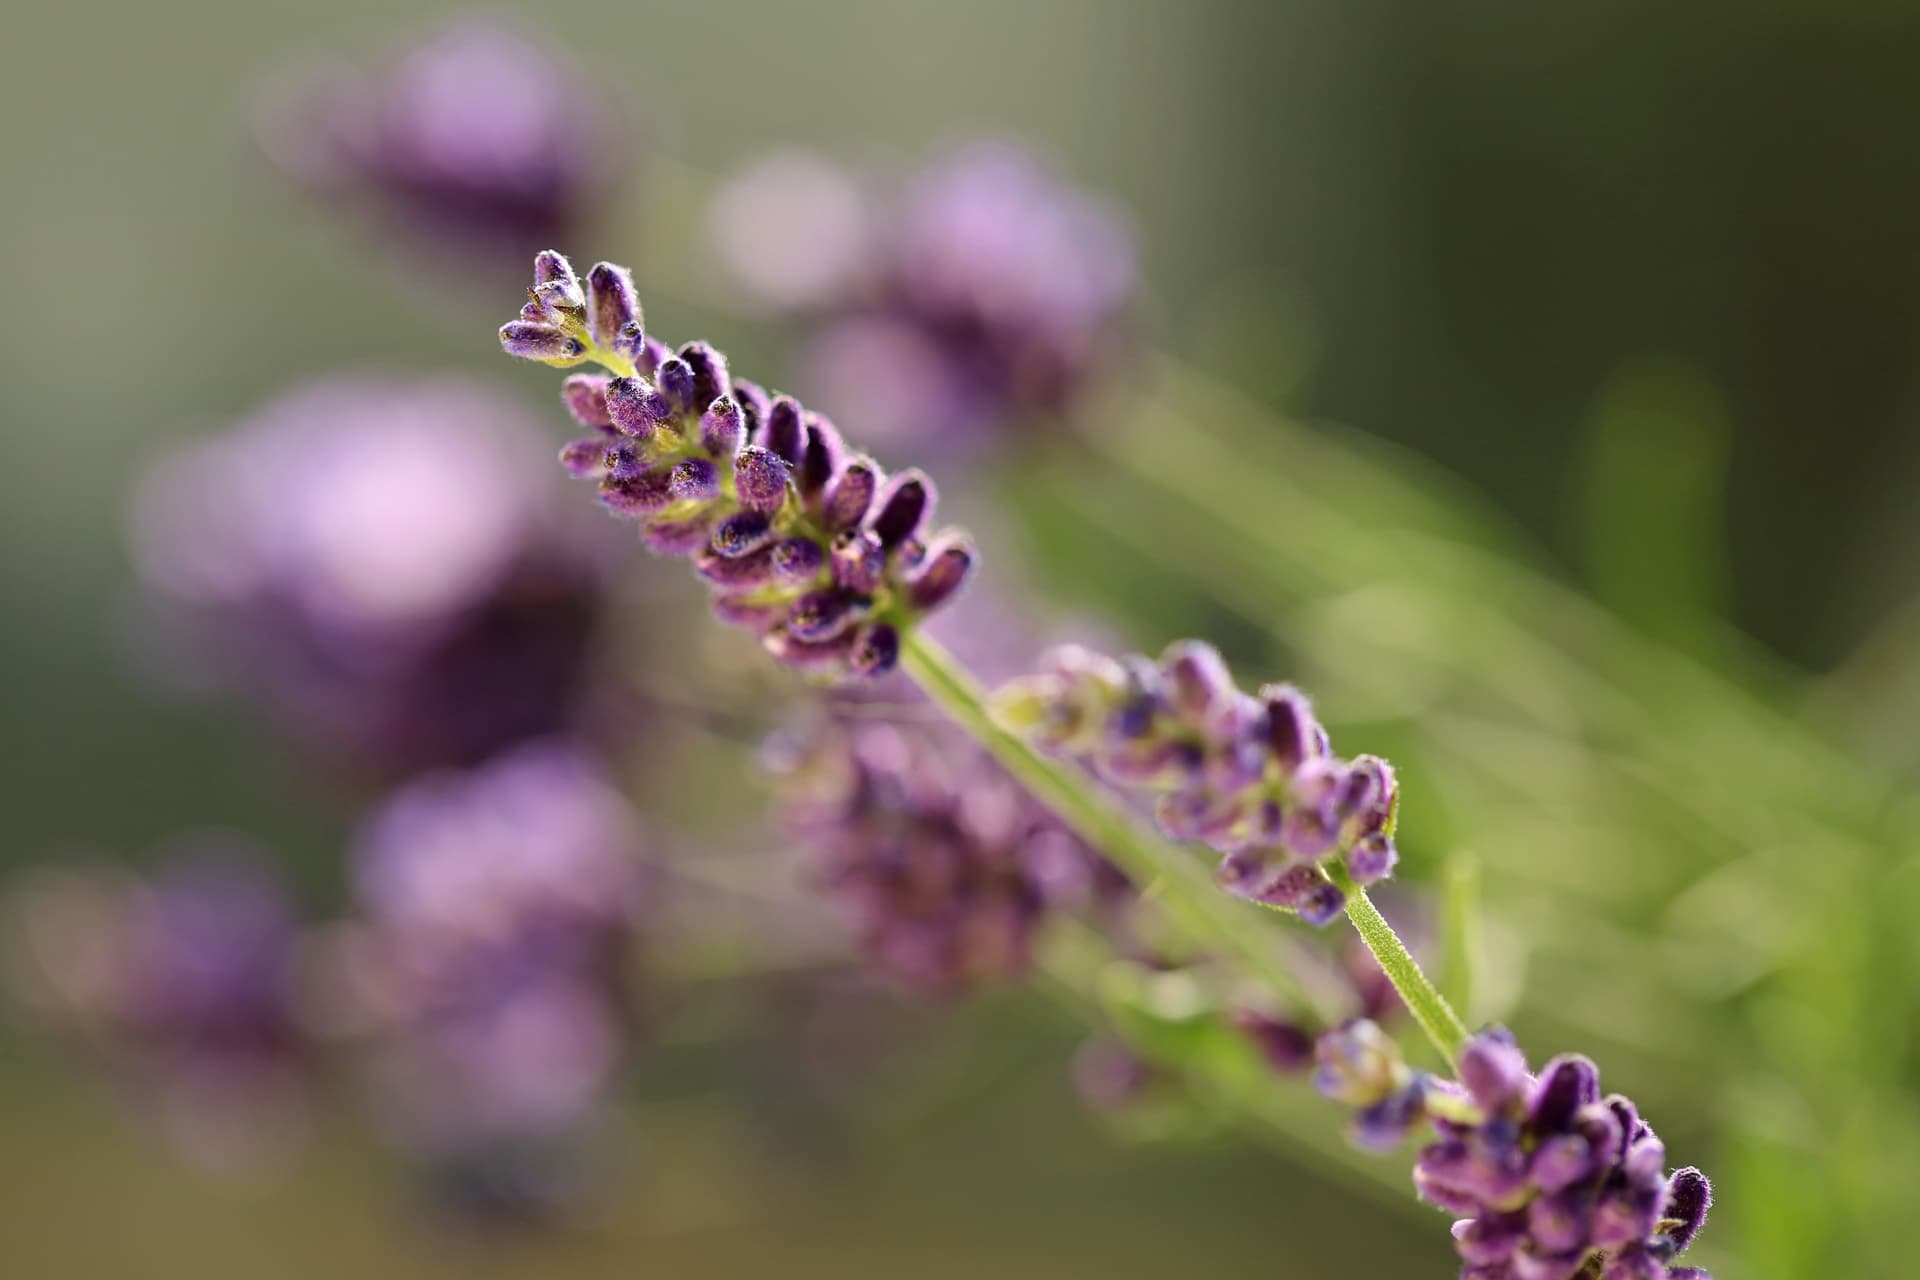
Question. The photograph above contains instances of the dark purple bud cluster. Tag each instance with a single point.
(948, 867)
(489, 966)
(184, 981)
(477, 141)
(1250, 776)
(1553, 1180)
(817, 549)
(986, 295)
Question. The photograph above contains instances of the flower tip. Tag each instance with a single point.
(539, 340)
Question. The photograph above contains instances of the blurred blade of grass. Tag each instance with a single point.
(1656, 466)
(1460, 932)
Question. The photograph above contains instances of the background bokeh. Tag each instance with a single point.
(1631, 285)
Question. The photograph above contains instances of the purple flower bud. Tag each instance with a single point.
(798, 560)
(859, 564)
(1634, 1263)
(1493, 1069)
(1689, 1197)
(1359, 1064)
(637, 409)
(807, 656)
(1366, 796)
(1322, 905)
(755, 404)
(876, 650)
(760, 479)
(557, 302)
(901, 509)
(1386, 1124)
(536, 340)
(821, 615)
(1198, 682)
(742, 533)
(1489, 1240)
(785, 430)
(585, 395)
(850, 495)
(622, 461)
(1559, 1222)
(681, 536)
(674, 378)
(695, 480)
(1560, 1162)
(949, 561)
(820, 459)
(631, 344)
(1565, 1085)
(584, 459)
(735, 573)
(1197, 815)
(720, 428)
(710, 377)
(636, 495)
(1624, 1216)
(1286, 1046)
(612, 303)
(649, 353)
(1528, 1265)
(550, 266)
(1291, 727)
(1372, 858)
(749, 611)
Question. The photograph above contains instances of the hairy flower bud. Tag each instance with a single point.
(612, 303)
(799, 540)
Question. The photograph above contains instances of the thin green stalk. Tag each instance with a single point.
(1423, 1000)
(1181, 883)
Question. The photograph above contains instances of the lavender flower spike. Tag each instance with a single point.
(1550, 1178)
(1253, 777)
(811, 546)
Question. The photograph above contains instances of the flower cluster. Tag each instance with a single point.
(947, 865)
(815, 548)
(476, 140)
(987, 295)
(489, 966)
(184, 982)
(1553, 1181)
(381, 563)
(1251, 776)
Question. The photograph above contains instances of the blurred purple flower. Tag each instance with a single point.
(490, 966)
(384, 564)
(947, 867)
(184, 981)
(985, 296)
(477, 142)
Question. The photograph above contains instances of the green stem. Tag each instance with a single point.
(1180, 882)
(1423, 1000)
